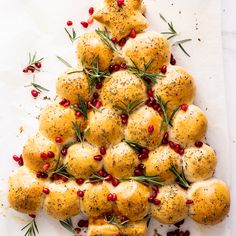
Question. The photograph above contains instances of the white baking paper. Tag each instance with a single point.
(30, 25)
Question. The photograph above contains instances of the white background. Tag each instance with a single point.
(29, 25)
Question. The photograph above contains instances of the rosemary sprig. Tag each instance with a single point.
(117, 222)
(32, 61)
(143, 74)
(94, 178)
(66, 63)
(106, 39)
(128, 108)
(173, 33)
(138, 148)
(167, 120)
(70, 144)
(31, 228)
(72, 35)
(146, 179)
(68, 224)
(60, 169)
(82, 107)
(37, 87)
(180, 178)
(81, 136)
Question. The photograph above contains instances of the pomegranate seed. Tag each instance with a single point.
(97, 157)
(55, 177)
(94, 101)
(156, 107)
(102, 150)
(114, 40)
(58, 140)
(171, 144)
(46, 166)
(150, 128)
(21, 162)
(98, 104)
(99, 85)
(102, 173)
(62, 102)
(140, 166)
(109, 178)
(115, 182)
(69, 23)
(177, 148)
(151, 199)
(43, 155)
(181, 151)
(116, 67)
(64, 151)
(31, 68)
(41, 175)
(189, 202)
(159, 110)
(91, 10)
(157, 202)
(64, 179)
(138, 172)
(122, 42)
(132, 34)
(78, 113)
(83, 223)
(32, 216)
(50, 154)
(166, 135)
(66, 104)
(150, 92)
(172, 60)
(199, 144)
(164, 69)
(79, 181)
(95, 95)
(111, 68)
(90, 20)
(84, 24)
(112, 197)
(145, 151)
(16, 158)
(34, 93)
(25, 70)
(120, 3)
(148, 103)
(124, 121)
(124, 116)
(142, 156)
(186, 233)
(46, 190)
(164, 141)
(184, 107)
(80, 193)
(38, 65)
(123, 65)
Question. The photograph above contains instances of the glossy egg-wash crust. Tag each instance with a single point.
(72, 84)
(121, 160)
(62, 202)
(188, 126)
(199, 163)
(122, 86)
(138, 124)
(148, 47)
(91, 48)
(211, 201)
(25, 191)
(176, 88)
(160, 161)
(80, 161)
(32, 153)
(172, 208)
(105, 127)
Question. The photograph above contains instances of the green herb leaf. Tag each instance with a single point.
(114, 220)
(146, 179)
(68, 224)
(64, 62)
(138, 148)
(60, 169)
(127, 108)
(32, 61)
(81, 136)
(72, 35)
(31, 229)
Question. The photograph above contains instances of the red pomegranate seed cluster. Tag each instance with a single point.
(56, 177)
(18, 159)
(199, 144)
(41, 175)
(112, 197)
(64, 102)
(124, 119)
(83, 223)
(85, 24)
(152, 102)
(47, 155)
(176, 147)
(152, 198)
(116, 67)
(122, 42)
(177, 232)
(172, 60)
(139, 170)
(33, 68)
(143, 154)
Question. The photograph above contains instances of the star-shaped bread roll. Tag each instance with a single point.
(121, 19)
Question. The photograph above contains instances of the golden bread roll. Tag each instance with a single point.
(132, 200)
(138, 127)
(199, 163)
(56, 121)
(145, 48)
(210, 201)
(70, 85)
(159, 163)
(25, 191)
(172, 207)
(80, 161)
(104, 127)
(123, 87)
(120, 160)
(177, 88)
(91, 49)
(40, 154)
(62, 201)
(188, 126)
